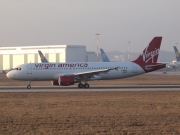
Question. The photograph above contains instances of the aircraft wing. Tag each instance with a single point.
(89, 74)
(94, 71)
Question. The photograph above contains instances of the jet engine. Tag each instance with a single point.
(64, 81)
(55, 82)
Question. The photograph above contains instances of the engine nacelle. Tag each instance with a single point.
(55, 82)
(64, 81)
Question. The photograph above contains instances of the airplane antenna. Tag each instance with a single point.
(97, 34)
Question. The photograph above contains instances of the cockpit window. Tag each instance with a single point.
(16, 68)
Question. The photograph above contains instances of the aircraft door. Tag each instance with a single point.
(29, 69)
(134, 68)
(71, 69)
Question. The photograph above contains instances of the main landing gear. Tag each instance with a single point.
(86, 85)
(29, 85)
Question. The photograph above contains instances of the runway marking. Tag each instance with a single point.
(92, 88)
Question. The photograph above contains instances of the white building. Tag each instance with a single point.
(90, 56)
(13, 56)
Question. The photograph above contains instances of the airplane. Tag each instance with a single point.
(43, 58)
(174, 64)
(69, 73)
(177, 62)
(104, 56)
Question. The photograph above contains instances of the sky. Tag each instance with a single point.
(75, 22)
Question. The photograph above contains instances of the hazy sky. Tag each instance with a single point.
(74, 22)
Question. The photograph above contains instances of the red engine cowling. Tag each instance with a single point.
(66, 80)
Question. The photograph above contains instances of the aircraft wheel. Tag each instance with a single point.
(86, 85)
(29, 87)
(80, 85)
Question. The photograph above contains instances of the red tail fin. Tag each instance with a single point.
(150, 54)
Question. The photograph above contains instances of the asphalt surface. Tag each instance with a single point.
(102, 88)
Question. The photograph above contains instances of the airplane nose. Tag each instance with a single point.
(9, 74)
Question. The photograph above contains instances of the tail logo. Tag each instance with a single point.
(147, 56)
(103, 56)
(42, 57)
(177, 54)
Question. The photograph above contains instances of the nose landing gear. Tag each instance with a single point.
(29, 85)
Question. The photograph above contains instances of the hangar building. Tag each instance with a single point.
(12, 56)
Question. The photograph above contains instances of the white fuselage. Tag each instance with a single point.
(52, 71)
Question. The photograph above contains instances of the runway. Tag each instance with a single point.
(94, 88)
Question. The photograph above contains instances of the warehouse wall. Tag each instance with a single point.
(11, 57)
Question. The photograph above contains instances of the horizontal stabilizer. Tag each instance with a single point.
(156, 65)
